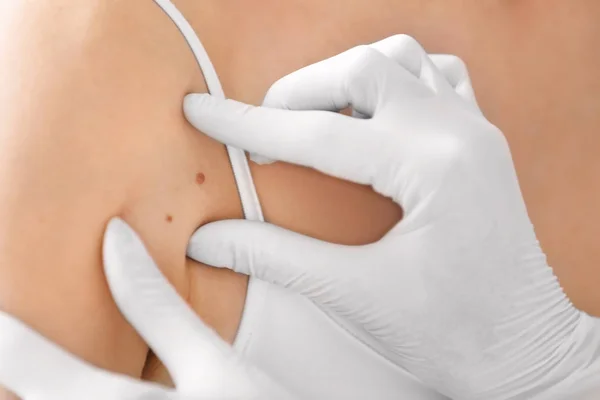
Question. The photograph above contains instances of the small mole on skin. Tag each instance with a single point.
(200, 178)
(169, 218)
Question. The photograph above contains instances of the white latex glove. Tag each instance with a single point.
(201, 364)
(459, 292)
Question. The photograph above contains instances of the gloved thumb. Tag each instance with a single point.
(200, 363)
(273, 254)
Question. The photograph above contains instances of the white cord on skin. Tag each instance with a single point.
(241, 172)
(237, 157)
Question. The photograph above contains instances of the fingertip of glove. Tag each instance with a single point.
(194, 104)
(203, 238)
(117, 233)
(214, 243)
(276, 95)
(123, 252)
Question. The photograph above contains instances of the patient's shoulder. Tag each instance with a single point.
(89, 82)
(97, 67)
(94, 49)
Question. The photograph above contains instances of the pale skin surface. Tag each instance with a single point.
(104, 136)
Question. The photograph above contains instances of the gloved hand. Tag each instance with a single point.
(459, 292)
(201, 364)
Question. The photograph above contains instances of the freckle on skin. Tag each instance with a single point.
(200, 178)
(169, 218)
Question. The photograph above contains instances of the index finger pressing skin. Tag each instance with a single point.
(329, 142)
(335, 144)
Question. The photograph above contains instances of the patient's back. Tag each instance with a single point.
(91, 127)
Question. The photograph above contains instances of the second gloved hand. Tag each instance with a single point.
(459, 292)
(202, 365)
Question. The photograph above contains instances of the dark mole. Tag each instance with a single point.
(169, 218)
(200, 178)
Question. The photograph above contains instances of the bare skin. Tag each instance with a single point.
(92, 127)
(104, 136)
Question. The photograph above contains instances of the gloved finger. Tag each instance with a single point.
(274, 254)
(438, 71)
(328, 86)
(199, 361)
(407, 52)
(355, 78)
(455, 71)
(402, 49)
(296, 91)
(329, 142)
(33, 367)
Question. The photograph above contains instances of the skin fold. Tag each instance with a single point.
(91, 127)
